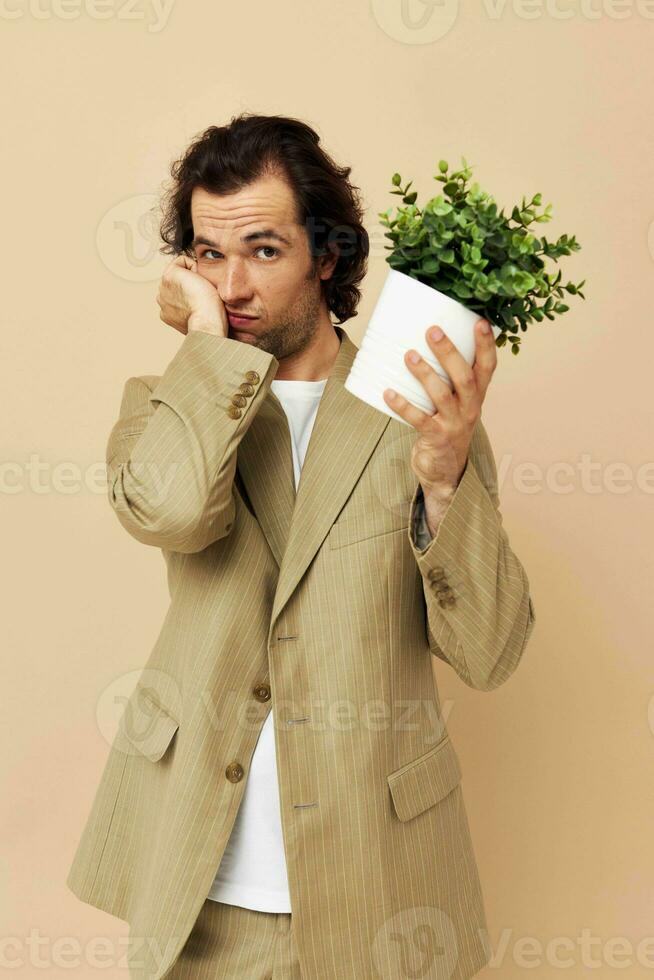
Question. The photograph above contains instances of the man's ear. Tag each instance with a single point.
(327, 262)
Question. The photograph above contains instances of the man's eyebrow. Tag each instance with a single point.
(254, 236)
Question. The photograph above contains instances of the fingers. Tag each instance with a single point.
(450, 357)
(173, 307)
(485, 356)
(414, 416)
(469, 381)
(438, 390)
(183, 260)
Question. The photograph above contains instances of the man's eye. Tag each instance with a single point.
(270, 248)
(209, 253)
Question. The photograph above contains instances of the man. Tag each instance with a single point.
(282, 798)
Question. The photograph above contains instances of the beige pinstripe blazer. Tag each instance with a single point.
(321, 607)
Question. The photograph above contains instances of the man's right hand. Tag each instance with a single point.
(188, 302)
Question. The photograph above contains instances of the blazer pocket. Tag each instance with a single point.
(424, 781)
(360, 527)
(147, 725)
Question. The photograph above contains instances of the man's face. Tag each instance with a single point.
(270, 276)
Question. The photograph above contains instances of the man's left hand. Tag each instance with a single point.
(440, 453)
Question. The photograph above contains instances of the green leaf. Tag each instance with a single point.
(464, 245)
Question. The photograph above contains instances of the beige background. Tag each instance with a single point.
(538, 97)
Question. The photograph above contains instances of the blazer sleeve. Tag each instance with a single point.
(479, 610)
(171, 456)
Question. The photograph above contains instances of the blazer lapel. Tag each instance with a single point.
(344, 434)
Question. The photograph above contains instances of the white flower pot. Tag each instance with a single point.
(406, 308)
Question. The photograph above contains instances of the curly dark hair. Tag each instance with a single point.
(223, 159)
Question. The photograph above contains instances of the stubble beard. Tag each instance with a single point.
(296, 327)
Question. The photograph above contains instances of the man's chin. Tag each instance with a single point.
(242, 335)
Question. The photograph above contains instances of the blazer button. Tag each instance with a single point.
(240, 400)
(253, 377)
(446, 601)
(436, 573)
(246, 388)
(234, 772)
(262, 692)
(234, 412)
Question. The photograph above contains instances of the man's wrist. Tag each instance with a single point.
(199, 323)
(436, 502)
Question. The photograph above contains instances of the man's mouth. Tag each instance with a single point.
(240, 320)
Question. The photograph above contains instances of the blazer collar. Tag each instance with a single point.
(344, 434)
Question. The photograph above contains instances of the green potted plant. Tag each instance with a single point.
(451, 262)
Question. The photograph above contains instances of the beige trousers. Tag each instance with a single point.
(229, 942)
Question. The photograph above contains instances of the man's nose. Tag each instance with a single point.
(234, 285)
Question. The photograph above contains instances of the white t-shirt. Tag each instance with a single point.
(252, 871)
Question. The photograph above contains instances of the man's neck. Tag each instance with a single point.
(316, 361)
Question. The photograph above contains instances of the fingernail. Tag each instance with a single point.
(485, 326)
(414, 357)
(436, 333)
